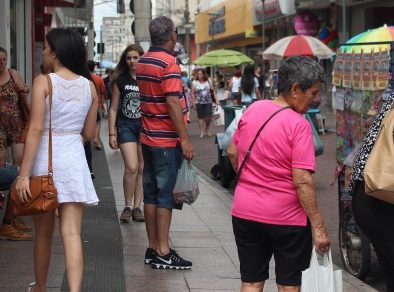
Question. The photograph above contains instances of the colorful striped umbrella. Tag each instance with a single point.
(297, 45)
(380, 34)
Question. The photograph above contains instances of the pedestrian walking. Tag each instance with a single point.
(275, 211)
(108, 88)
(74, 112)
(375, 217)
(124, 130)
(249, 89)
(164, 140)
(234, 84)
(14, 111)
(202, 90)
(12, 227)
(102, 104)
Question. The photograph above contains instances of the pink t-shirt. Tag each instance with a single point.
(265, 191)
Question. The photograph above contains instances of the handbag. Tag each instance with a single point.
(42, 188)
(254, 141)
(379, 168)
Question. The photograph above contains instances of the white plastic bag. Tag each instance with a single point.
(230, 130)
(321, 278)
(186, 186)
(218, 115)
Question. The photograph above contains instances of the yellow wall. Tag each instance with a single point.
(238, 18)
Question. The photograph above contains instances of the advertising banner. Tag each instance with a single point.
(356, 71)
(366, 78)
(337, 73)
(347, 71)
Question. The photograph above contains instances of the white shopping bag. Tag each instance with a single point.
(218, 116)
(321, 278)
(230, 130)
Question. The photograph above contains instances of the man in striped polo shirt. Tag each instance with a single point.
(164, 139)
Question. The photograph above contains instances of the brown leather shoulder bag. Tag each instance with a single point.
(42, 188)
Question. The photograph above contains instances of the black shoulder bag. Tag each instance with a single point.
(254, 140)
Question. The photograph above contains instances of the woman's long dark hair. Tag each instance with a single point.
(70, 50)
(122, 65)
(247, 80)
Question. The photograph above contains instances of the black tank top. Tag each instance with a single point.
(129, 102)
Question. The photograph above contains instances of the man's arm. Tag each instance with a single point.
(176, 114)
(305, 186)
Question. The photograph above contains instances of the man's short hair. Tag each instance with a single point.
(161, 29)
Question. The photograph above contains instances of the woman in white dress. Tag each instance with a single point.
(74, 112)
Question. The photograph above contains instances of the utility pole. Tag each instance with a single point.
(142, 17)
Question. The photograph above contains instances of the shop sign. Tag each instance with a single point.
(273, 9)
(306, 24)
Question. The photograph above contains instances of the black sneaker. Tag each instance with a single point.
(150, 254)
(171, 261)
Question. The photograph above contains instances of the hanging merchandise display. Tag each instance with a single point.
(361, 74)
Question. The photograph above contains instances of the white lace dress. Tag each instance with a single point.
(71, 100)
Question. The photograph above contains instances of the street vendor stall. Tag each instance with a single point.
(362, 77)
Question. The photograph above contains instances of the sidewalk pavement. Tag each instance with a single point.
(201, 233)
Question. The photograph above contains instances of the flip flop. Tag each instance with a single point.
(98, 146)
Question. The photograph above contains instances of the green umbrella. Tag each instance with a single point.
(223, 58)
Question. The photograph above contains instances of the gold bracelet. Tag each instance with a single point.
(19, 177)
(111, 135)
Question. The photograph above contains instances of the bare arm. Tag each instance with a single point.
(91, 118)
(194, 94)
(305, 186)
(176, 114)
(113, 111)
(34, 135)
(232, 153)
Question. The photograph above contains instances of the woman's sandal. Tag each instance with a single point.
(31, 286)
(98, 146)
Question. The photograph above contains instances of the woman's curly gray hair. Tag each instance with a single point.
(161, 29)
(301, 70)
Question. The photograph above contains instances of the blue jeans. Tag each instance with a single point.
(161, 165)
(7, 177)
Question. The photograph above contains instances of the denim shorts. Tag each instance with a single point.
(161, 165)
(129, 132)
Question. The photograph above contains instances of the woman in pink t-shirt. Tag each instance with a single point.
(275, 210)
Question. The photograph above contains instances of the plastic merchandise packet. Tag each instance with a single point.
(186, 187)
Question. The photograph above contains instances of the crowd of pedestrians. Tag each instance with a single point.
(147, 100)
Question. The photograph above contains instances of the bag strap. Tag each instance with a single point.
(254, 141)
(50, 168)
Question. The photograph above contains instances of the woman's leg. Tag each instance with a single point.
(202, 126)
(44, 225)
(70, 215)
(130, 158)
(17, 153)
(138, 192)
(252, 287)
(374, 217)
(207, 122)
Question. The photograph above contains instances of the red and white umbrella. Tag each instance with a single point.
(297, 45)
